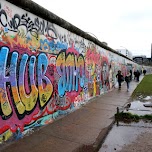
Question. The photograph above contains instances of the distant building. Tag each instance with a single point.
(125, 52)
(142, 60)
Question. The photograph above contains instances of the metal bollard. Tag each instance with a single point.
(117, 119)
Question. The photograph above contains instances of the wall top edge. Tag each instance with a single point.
(38, 10)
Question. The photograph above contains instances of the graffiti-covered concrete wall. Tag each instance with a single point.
(47, 71)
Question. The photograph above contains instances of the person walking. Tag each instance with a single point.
(120, 78)
(144, 72)
(130, 75)
(137, 75)
(127, 79)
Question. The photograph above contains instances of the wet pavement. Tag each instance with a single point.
(134, 136)
(121, 137)
(81, 131)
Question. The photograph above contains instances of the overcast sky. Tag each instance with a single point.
(120, 23)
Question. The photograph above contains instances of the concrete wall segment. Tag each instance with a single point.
(48, 68)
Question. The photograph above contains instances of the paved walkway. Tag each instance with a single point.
(81, 131)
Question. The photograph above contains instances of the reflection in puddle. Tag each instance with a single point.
(139, 107)
(121, 136)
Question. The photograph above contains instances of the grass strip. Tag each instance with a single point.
(144, 88)
(129, 117)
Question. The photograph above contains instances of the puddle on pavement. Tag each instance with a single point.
(120, 136)
(126, 133)
(140, 107)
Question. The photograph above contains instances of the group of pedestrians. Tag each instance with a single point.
(128, 77)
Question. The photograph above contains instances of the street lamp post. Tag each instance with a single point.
(127, 52)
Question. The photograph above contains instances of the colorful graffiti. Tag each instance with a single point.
(46, 71)
(23, 101)
(71, 69)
